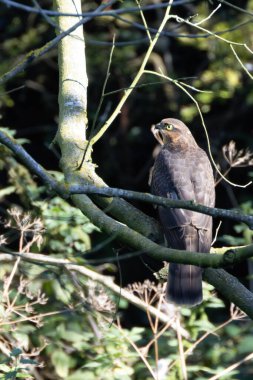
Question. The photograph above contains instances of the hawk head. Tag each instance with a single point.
(172, 132)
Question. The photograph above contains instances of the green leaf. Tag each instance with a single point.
(4, 368)
(10, 375)
(15, 352)
(62, 363)
(246, 345)
(81, 375)
(232, 330)
(23, 376)
(92, 365)
(28, 361)
(7, 191)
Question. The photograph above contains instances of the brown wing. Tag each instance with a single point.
(187, 177)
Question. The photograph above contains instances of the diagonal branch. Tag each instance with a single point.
(231, 288)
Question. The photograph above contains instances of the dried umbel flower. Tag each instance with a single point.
(147, 291)
(237, 158)
(31, 228)
(236, 313)
(99, 299)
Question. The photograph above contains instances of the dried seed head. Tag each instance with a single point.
(235, 157)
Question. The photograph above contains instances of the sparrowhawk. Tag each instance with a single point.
(183, 171)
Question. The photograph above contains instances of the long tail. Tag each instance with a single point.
(184, 286)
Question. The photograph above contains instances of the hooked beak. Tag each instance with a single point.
(156, 130)
(159, 126)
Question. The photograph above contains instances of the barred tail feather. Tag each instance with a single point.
(184, 285)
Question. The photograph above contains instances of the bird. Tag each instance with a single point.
(182, 171)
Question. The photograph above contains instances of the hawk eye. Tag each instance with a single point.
(168, 127)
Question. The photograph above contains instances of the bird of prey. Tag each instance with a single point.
(183, 171)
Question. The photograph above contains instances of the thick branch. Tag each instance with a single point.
(48, 180)
(73, 83)
(140, 243)
(71, 132)
(118, 208)
(231, 288)
(223, 282)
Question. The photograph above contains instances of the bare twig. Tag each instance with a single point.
(235, 158)
(137, 350)
(236, 315)
(188, 22)
(100, 101)
(236, 7)
(232, 367)
(216, 233)
(144, 21)
(239, 60)
(209, 16)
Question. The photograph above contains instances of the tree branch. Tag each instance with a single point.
(231, 288)
(149, 198)
(140, 243)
